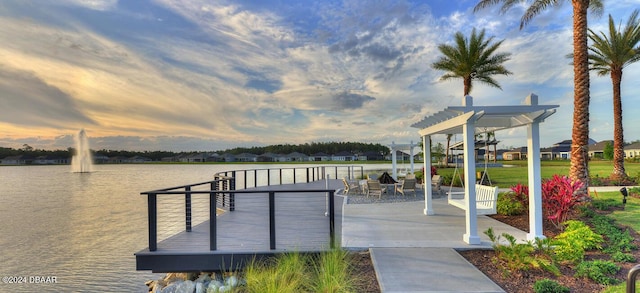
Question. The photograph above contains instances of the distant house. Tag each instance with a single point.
(118, 160)
(247, 157)
(100, 159)
(320, 157)
(17, 160)
(559, 151)
(400, 156)
(194, 158)
(267, 157)
(50, 160)
(515, 154)
(298, 157)
(596, 150)
(373, 156)
(343, 156)
(632, 151)
(139, 159)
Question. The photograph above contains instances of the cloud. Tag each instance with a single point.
(29, 101)
(348, 101)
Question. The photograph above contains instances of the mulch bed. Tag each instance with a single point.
(524, 281)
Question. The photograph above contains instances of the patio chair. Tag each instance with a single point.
(373, 188)
(372, 177)
(350, 186)
(406, 185)
(436, 182)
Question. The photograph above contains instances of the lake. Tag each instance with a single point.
(83, 228)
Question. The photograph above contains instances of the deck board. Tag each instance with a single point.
(301, 225)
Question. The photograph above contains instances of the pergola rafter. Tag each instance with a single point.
(470, 120)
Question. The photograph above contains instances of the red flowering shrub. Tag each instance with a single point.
(521, 194)
(434, 171)
(558, 198)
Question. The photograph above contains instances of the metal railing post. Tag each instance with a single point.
(631, 279)
(187, 207)
(245, 179)
(153, 221)
(280, 176)
(255, 178)
(332, 222)
(268, 177)
(213, 222)
(232, 196)
(272, 220)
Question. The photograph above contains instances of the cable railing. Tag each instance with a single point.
(223, 190)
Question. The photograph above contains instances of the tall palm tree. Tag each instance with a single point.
(473, 58)
(446, 157)
(492, 135)
(609, 55)
(579, 170)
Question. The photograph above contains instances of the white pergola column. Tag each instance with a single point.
(394, 160)
(471, 214)
(428, 189)
(411, 156)
(535, 181)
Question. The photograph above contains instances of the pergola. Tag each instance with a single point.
(394, 160)
(470, 120)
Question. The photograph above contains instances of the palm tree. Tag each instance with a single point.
(609, 55)
(446, 157)
(579, 170)
(492, 135)
(473, 58)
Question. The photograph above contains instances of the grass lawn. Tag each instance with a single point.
(515, 172)
(627, 217)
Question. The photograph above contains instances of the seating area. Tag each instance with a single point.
(486, 199)
(372, 186)
(406, 185)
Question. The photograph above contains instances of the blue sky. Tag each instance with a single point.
(209, 75)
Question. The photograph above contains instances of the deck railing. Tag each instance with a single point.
(222, 191)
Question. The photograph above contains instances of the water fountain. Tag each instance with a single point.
(82, 162)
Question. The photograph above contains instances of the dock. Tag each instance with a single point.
(301, 222)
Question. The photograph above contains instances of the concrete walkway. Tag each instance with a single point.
(413, 252)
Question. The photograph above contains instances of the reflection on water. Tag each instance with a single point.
(83, 228)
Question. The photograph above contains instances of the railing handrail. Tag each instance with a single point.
(228, 185)
(152, 206)
(239, 191)
(158, 191)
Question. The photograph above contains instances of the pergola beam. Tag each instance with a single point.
(469, 120)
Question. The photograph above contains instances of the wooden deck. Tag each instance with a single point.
(300, 221)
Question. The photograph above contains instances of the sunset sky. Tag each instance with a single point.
(202, 75)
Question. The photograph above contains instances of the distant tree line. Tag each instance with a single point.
(314, 148)
(307, 148)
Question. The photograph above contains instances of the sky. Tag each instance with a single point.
(202, 75)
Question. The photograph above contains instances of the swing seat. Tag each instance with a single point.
(486, 199)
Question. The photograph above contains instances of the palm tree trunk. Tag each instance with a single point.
(467, 85)
(579, 170)
(618, 135)
(446, 158)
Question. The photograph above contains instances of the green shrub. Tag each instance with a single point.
(507, 205)
(519, 256)
(574, 241)
(549, 286)
(599, 271)
(333, 272)
(617, 239)
(620, 256)
(606, 204)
